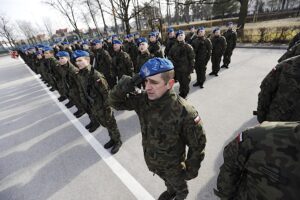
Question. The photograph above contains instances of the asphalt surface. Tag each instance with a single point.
(45, 153)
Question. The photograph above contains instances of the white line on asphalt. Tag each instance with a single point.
(129, 181)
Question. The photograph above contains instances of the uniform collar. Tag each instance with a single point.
(164, 100)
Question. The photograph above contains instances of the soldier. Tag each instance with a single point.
(70, 82)
(262, 163)
(38, 62)
(132, 50)
(144, 54)
(191, 36)
(168, 125)
(103, 62)
(109, 46)
(183, 57)
(230, 36)
(295, 39)
(50, 64)
(125, 44)
(154, 46)
(121, 61)
(218, 49)
(94, 91)
(136, 37)
(279, 98)
(202, 47)
(291, 52)
(171, 40)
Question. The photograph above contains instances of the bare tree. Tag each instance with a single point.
(48, 26)
(67, 9)
(86, 19)
(93, 12)
(6, 30)
(28, 31)
(102, 15)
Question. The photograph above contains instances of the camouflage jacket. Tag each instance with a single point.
(295, 39)
(121, 64)
(155, 49)
(231, 38)
(133, 52)
(182, 56)
(103, 62)
(170, 42)
(50, 65)
(190, 37)
(291, 52)
(218, 45)
(279, 98)
(141, 59)
(168, 125)
(202, 47)
(93, 88)
(262, 163)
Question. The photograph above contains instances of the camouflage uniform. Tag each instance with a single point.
(121, 64)
(170, 42)
(183, 57)
(155, 49)
(279, 98)
(141, 59)
(230, 37)
(202, 47)
(218, 49)
(50, 69)
(94, 94)
(295, 39)
(133, 53)
(291, 52)
(104, 65)
(190, 37)
(262, 163)
(168, 125)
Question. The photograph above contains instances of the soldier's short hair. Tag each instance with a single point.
(168, 75)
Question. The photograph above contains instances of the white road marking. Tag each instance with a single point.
(128, 180)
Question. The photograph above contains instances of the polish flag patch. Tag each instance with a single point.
(197, 120)
(240, 138)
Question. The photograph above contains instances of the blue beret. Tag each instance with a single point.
(216, 29)
(97, 41)
(65, 43)
(192, 27)
(130, 35)
(62, 54)
(201, 28)
(152, 34)
(137, 33)
(117, 42)
(85, 43)
(142, 39)
(170, 30)
(39, 46)
(30, 48)
(109, 38)
(114, 36)
(80, 53)
(179, 32)
(229, 23)
(155, 66)
(47, 48)
(38, 53)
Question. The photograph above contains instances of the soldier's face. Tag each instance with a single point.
(47, 54)
(98, 46)
(143, 47)
(181, 37)
(82, 62)
(63, 60)
(172, 34)
(201, 33)
(217, 33)
(117, 47)
(39, 56)
(152, 39)
(156, 86)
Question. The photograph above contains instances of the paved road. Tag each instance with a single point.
(45, 153)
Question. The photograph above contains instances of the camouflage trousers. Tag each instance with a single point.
(106, 118)
(175, 182)
(200, 68)
(215, 61)
(227, 57)
(184, 79)
(74, 98)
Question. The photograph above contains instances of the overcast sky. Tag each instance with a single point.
(34, 11)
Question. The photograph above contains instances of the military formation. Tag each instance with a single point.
(137, 73)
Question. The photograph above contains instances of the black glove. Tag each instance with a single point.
(137, 79)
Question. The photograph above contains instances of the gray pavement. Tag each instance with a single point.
(43, 154)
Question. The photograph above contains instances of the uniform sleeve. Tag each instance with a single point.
(195, 140)
(235, 156)
(224, 45)
(209, 49)
(128, 63)
(102, 88)
(191, 56)
(267, 89)
(234, 40)
(119, 97)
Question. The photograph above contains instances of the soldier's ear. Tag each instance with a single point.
(171, 83)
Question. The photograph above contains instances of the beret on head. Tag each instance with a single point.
(62, 54)
(47, 48)
(117, 42)
(179, 32)
(80, 53)
(155, 66)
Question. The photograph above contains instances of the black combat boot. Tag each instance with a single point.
(224, 66)
(109, 144)
(166, 196)
(69, 104)
(201, 86)
(79, 113)
(94, 127)
(116, 147)
(196, 84)
(89, 125)
(61, 98)
(52, 89)
(211, 73)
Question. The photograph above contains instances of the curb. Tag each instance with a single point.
(261, 46)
